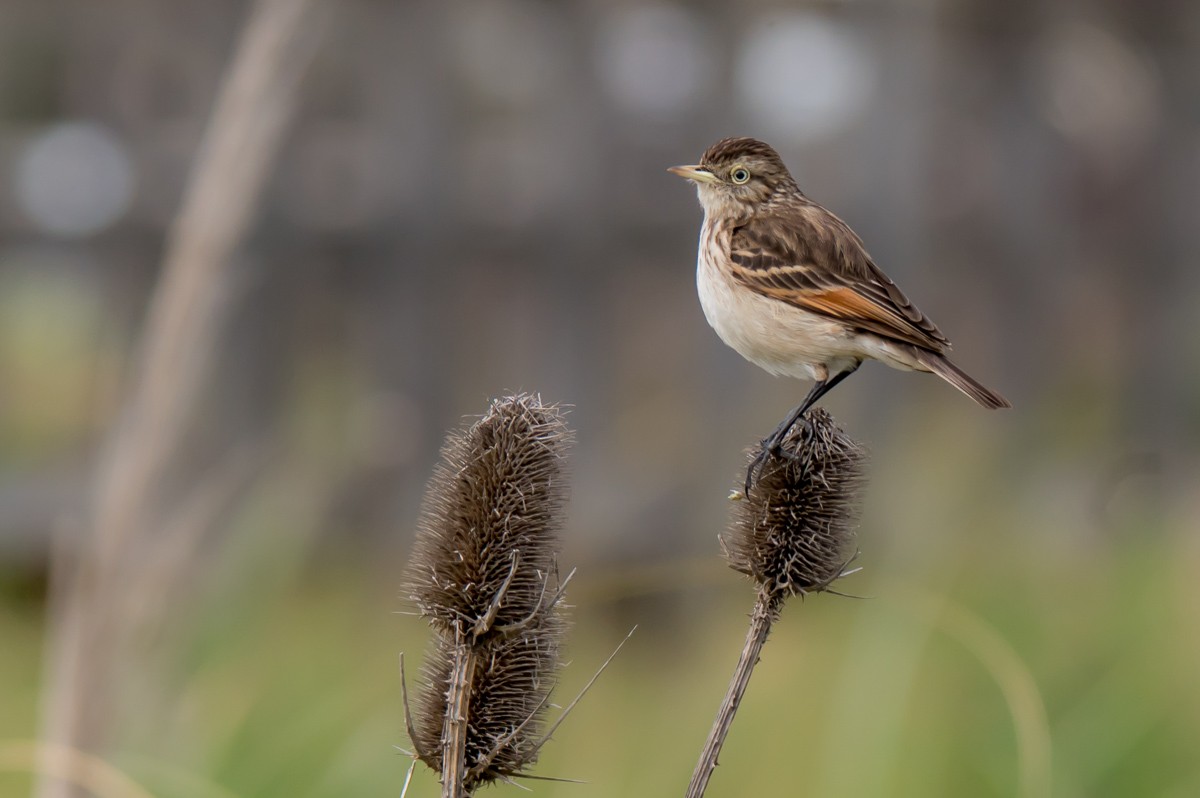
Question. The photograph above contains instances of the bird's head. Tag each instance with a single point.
(737, 175)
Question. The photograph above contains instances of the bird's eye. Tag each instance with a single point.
(739, 175)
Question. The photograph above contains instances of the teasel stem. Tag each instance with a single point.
(458, 715)
(766, 611)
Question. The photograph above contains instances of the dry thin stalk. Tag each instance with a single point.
(256, 102)
(766, 611)
(791, 535)
(483, 574)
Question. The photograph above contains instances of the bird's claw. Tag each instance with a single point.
(772, 446)
(755, 463)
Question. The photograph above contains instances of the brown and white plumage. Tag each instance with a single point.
(792, 288)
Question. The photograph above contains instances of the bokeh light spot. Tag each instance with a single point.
(1099, 93)
(655, 60)
(802, 76)
(74, 179)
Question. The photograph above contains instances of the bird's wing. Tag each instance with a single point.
(811, 259)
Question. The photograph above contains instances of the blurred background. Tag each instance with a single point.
(469, 198)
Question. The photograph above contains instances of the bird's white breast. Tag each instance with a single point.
(780, 338)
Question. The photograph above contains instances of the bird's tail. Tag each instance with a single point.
(964, 382)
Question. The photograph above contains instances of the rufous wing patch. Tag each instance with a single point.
(854, 308)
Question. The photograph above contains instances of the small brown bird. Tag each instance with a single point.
(791, 287)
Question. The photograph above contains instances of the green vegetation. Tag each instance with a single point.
(854, 697)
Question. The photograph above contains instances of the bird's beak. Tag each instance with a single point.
(697, 174)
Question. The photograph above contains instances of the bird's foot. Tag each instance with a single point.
(809, 428)
(755, 464)
(770, 447)
(774, 444)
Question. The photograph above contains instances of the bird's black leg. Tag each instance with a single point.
(773, 444)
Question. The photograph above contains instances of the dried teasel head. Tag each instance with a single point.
(794, 532)
(484, 574)
(488, 534)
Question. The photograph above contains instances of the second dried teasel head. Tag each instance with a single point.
(794, 532)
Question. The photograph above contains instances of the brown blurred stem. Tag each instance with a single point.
(766, 610)
(255, 103)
